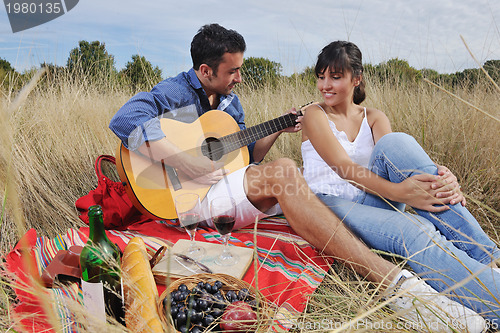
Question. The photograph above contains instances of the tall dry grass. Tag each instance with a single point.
(52, 135)
(56, 134)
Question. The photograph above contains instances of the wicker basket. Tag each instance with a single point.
(265, 309)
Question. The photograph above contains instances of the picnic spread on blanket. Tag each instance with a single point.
(275, 274)
(286, 269)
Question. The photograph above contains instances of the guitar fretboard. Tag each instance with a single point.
(245, 137)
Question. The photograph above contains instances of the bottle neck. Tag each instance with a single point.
(96, 225)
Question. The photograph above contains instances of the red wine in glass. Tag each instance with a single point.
(223, 212)
(189, 221)
(224, 223)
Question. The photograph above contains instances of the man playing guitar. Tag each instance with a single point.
(259, 190)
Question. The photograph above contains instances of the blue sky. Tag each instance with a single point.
(425, 32)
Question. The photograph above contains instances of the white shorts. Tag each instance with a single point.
(232, 186)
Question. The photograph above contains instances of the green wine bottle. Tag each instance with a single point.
(100, 264)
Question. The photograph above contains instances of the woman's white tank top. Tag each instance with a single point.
(321, 178)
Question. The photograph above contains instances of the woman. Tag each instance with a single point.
(366, 175)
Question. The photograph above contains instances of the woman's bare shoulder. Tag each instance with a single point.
(313, 107)
(374, 115)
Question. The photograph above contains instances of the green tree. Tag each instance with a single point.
(492, 67)
(7, 74)
(430, 74)
(307, 75)
(141, 74)
(5, 70)
(444, 80)
(5, 66)
(259, 71)
(54, 75)
(397, 70)
(467, 78)
(53, 71)
(91, 60)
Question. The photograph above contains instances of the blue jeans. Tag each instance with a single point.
(397, 156)
(443, 249)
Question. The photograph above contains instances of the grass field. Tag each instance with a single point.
(51, 134)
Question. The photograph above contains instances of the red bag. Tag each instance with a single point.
(118, 210)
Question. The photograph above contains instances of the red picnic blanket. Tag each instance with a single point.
(288, 270)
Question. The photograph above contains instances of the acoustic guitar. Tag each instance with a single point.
(152, 185)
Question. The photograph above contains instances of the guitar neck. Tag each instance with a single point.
(245, 137)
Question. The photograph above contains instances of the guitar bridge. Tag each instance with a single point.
(173, 177)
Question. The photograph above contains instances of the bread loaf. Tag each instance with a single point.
(140, 293)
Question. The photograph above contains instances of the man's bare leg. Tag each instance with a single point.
(280, 181)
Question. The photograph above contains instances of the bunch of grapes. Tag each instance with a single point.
(199, 308)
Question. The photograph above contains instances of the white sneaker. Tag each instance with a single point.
(430, 311)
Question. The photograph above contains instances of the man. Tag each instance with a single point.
(217, 55)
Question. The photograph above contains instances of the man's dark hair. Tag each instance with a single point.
(211, 42)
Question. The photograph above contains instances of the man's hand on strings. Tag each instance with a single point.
(202, 170)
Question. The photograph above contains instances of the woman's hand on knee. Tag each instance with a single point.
(417, 192)
(447, 187)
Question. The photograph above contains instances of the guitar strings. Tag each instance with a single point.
(288, 120)
(244, 137)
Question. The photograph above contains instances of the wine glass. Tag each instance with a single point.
(188, 211)
(223, 212)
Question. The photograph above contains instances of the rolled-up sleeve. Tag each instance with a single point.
(137, 121)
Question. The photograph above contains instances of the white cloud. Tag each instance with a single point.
(426, 32)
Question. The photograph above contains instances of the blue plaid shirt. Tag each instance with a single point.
(181, 98)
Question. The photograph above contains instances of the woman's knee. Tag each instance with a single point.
(404, 152)
(397, 139)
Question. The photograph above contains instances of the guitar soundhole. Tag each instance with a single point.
(212, 148)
